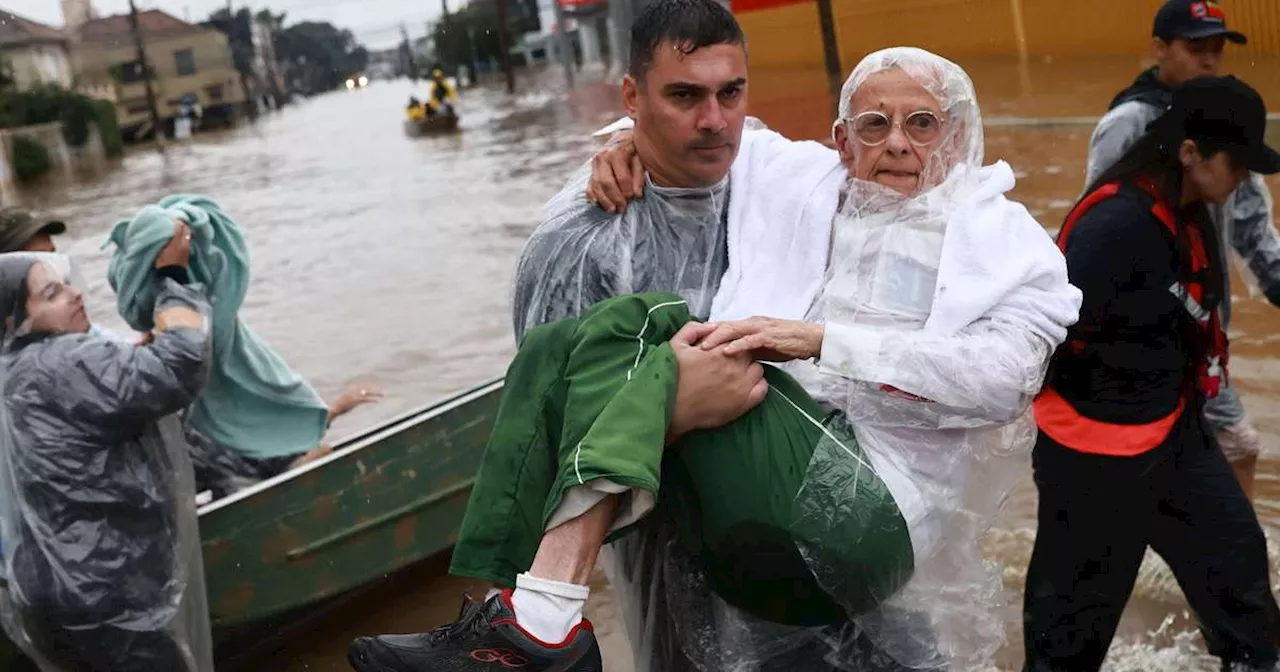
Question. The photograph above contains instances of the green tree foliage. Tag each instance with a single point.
(473, 31)
(109, 127)
(48, 104)
(30, 158)
(238, 28)
(320, 57)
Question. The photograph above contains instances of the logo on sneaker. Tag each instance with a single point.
(506, 657)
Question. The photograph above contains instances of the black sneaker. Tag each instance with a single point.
(485, 638)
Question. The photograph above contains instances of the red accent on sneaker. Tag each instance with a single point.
(507, 657)
(583, 625)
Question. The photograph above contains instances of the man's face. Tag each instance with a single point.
(54, 306)
(689, 111)
(896, 112)
(41, 242)
(1180, 60)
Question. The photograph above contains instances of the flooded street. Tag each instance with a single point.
(385, 259)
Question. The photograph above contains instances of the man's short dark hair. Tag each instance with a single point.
(689, 24)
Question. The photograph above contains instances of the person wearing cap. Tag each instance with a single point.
(1124, 458)
(1188, 41)
(22, 232)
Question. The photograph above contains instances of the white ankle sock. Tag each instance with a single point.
(548, 609)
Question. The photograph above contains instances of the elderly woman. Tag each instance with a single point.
(101, 550)
(827, 503)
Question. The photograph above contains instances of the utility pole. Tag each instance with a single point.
(410, 63)
(473, 64)
(504, 45)
(445, 51)
(831, 52)
(146, 70)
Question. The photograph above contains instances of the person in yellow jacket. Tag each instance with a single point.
(441, 94)
(416, 111)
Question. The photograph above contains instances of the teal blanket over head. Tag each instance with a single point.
(253, 401)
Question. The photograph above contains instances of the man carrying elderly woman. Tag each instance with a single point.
(836, 521)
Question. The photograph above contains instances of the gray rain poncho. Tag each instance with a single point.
(101, 549)
(671, 240)
(941, 313)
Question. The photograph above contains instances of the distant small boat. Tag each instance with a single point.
(440, 123)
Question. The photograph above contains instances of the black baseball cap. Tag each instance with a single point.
(18, 227)
(1193, 20)
(1227, 114)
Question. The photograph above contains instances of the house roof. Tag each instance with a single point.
(16, 30)
(153, 23)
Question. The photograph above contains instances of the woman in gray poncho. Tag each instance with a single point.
(101, 549)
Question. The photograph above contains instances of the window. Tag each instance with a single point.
(128, 73)
(136, 106)
(185, 59)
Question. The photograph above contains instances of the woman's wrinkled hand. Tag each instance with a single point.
(616, 174)
(767, 339)
(712, 390)
(177, 252)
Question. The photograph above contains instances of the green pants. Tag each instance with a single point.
(591, 398)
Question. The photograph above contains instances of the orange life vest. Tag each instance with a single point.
(1057, 418)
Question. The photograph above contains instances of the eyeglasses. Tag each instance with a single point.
(873, 128)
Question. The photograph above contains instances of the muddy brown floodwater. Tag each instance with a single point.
(380, 258)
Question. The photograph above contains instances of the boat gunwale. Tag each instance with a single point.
(360, 441)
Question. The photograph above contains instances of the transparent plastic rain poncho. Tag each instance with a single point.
(101, 549)
(950, 459)
(671, 240)
(937, 378)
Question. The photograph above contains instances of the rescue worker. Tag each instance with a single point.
(97, 504)
(441, 95)
(1188, 39)
(1124, 458)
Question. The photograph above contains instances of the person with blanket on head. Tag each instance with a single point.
(1188, 39)
(256, 418)
(101, 550)
(826, 503)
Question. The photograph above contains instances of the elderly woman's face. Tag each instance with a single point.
(53, 306)
(891, 148)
